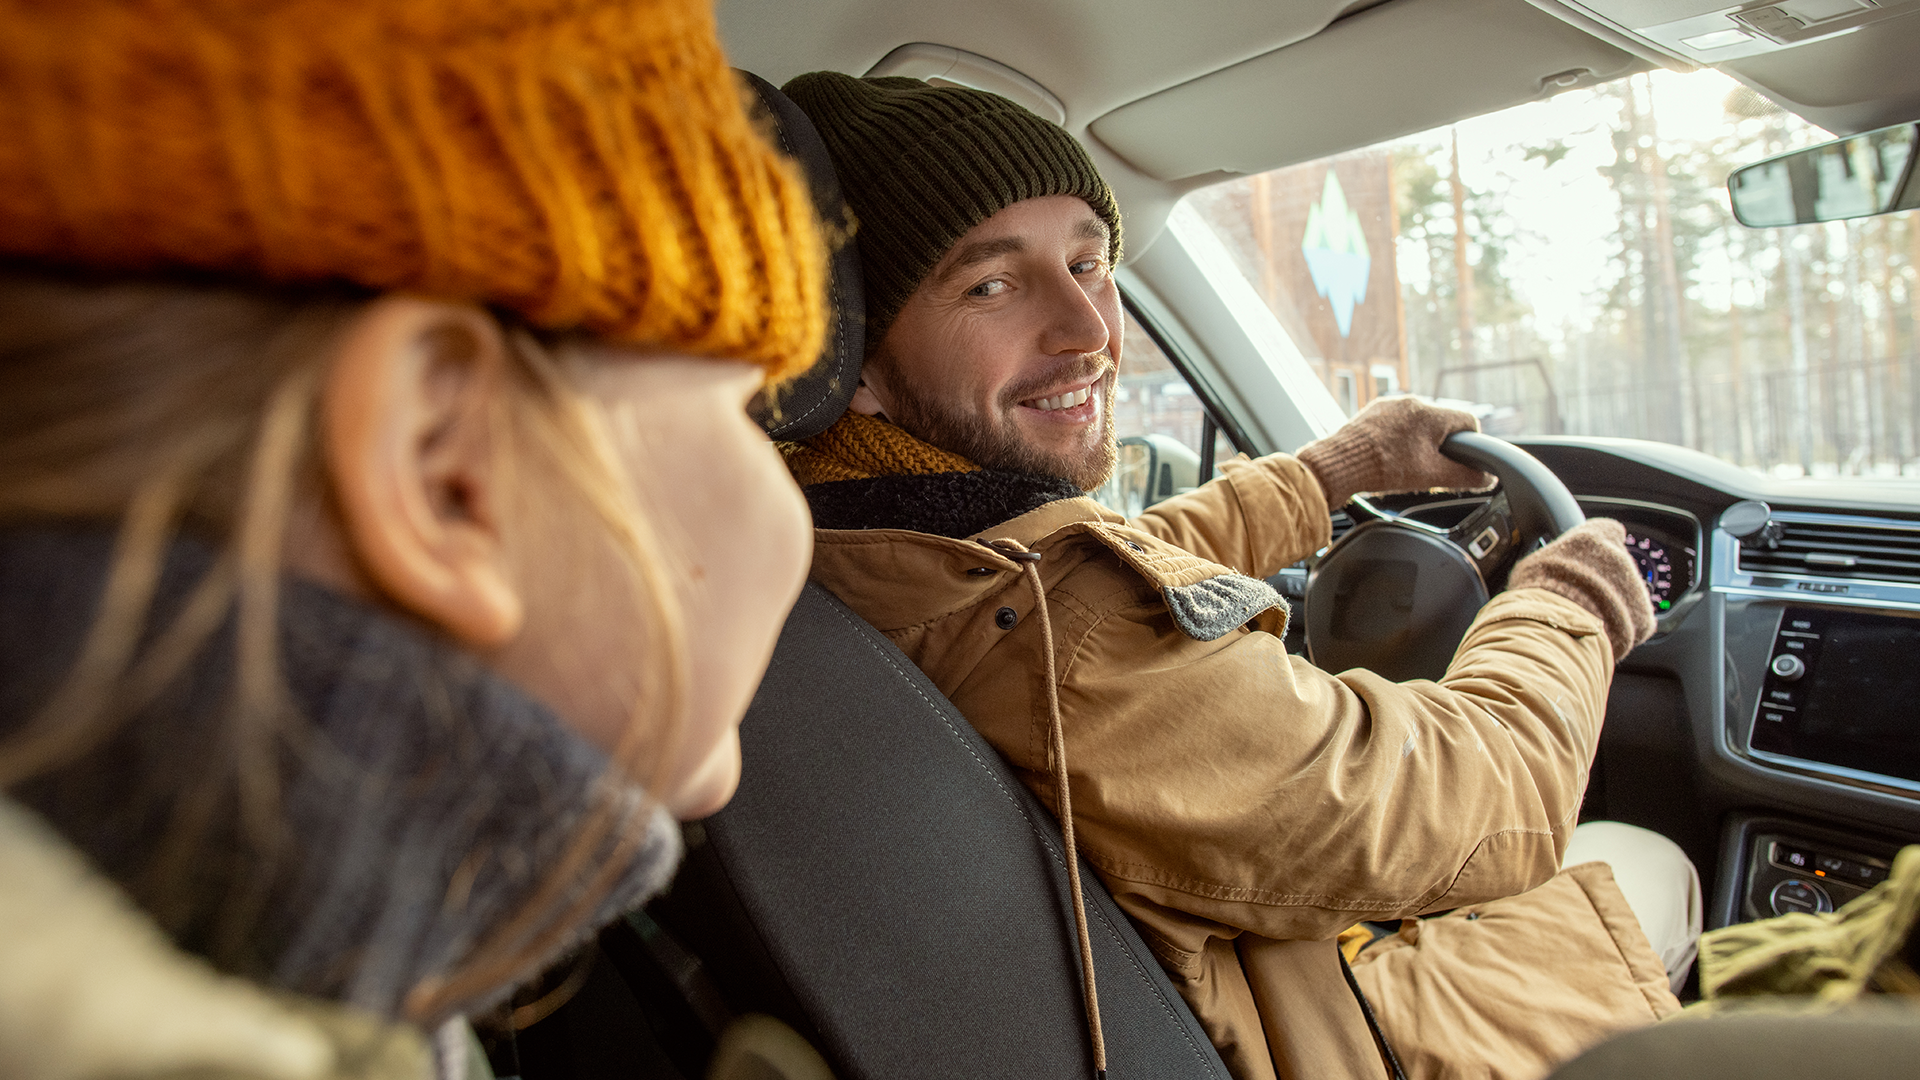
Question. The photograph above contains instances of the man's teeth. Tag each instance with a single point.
(1063, 401)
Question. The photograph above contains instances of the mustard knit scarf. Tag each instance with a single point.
(861, 447)
(865, 473)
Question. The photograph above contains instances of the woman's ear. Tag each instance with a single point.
(409, 450)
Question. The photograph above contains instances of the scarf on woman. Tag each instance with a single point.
(865, 473)
(426, 802)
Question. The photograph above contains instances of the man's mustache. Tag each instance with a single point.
(1086, 367)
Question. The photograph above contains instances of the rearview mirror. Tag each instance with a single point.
(1859, 176)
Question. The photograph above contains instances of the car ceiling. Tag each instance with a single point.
(1172, 96)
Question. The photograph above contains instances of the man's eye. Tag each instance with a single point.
(993, 287)
(1086, 266)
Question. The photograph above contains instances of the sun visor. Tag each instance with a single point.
(1384, 72)
(1683, 34)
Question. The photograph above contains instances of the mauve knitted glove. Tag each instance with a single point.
(1393, 445)
(1589, 565)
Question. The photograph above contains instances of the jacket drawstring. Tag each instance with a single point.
(1057, 735)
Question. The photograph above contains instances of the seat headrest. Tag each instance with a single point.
(812, 402)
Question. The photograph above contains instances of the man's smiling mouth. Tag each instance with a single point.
(1066, 400)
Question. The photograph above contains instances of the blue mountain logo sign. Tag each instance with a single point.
(1336, 251)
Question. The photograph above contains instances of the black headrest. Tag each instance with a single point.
(811, 403)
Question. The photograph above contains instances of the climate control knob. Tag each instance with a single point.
(1797, 894)
(1788, 667)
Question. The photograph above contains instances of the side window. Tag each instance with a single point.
(1162, 426)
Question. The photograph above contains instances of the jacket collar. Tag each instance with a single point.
(899, 578)
(426, 800)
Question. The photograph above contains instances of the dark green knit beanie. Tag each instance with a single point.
(921, 165)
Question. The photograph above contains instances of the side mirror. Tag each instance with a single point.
(1859, 176)
(1150, 468)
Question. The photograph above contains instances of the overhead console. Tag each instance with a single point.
(1846, 65)
(1684, 34)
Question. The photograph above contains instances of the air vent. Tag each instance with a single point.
(1851, 552)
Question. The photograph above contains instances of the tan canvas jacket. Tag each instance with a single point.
(1244, 807)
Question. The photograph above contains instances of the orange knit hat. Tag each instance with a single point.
(586, 163)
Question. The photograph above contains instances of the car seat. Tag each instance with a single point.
(882, 881)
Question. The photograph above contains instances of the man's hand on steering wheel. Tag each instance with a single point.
(1393, 445)
(1589, 565)
(1395, 595)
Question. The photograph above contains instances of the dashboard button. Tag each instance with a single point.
(1830, 865)
(1788, 666)
(1797, 895)
(1797, 858)
(1859, 873)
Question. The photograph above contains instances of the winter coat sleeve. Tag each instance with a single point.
(1230, 782)
(1257, 517)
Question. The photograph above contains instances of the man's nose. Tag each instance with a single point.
(1074, 323)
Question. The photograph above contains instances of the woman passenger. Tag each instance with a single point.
(385, 554)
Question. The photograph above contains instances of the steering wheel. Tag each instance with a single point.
(1395, 596)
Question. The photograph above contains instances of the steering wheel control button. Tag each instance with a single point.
(1797, 895)
(1788, 666)
(1006, 618)
(1793, 857)
(1488, 539)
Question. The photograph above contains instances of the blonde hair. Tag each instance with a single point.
(162, 406)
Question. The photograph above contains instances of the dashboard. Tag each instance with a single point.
(1663, 541)
(1772, 724)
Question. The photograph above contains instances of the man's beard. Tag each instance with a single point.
(995, 442)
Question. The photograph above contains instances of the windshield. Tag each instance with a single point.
(1572, 266)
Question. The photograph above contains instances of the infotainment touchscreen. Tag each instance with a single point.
(1843, 688)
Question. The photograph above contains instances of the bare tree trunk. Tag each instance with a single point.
(1673, 300)
(1797, 339)
(1860, 459)
(1895, 423)
(1654, 392)
(1911, 449)
(1736, 368)
(1399, 296)
(1462, 271)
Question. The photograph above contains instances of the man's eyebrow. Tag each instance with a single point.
(978, 252)
(1094, 229)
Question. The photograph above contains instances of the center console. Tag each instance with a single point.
(1783, 866)
(1841, 696)
(1822, 690)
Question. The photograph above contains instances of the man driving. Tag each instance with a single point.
(1244, 807)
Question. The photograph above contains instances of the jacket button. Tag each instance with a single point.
(1005, 618)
